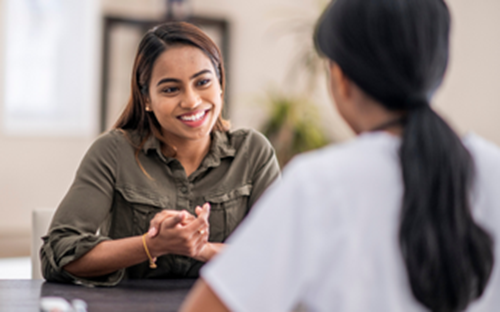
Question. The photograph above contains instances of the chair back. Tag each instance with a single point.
(41, 219)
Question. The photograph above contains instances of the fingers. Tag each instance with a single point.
(188, 219)
(204, 211)
(182, 237)
(192, 229)
(171, 220)
(154, 224)
(198, 210)
(174, 220)
(201, 223)
(203, 230)
(199, 239)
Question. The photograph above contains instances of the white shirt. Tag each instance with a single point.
(327, 234)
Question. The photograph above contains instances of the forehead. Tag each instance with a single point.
(180, 61)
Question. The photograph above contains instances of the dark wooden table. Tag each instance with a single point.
(130, 295)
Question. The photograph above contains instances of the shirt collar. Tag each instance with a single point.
(220, 148)
(152, 143)
(221, 145)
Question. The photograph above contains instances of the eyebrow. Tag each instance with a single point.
(165, 80)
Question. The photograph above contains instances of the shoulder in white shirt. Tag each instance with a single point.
(326, 235)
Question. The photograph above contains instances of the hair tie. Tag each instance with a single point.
(416, 101)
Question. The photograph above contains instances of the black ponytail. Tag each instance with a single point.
(448, 256)
(397, 52)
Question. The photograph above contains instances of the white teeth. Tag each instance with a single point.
(193, 117)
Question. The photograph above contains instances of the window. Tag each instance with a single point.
(51, 67)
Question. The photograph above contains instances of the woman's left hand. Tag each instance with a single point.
(207, 250)
(158, 219)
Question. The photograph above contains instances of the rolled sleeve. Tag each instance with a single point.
(75, 227)
(64, 245)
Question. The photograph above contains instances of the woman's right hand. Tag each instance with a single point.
(155, 223)
(178, 232)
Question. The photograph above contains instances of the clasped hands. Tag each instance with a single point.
(180, 233)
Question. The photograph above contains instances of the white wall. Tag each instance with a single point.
(36, 172)
(470, 96)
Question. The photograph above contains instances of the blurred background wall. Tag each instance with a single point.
(36, 169)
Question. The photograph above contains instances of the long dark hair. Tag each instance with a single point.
(397, 52)
(153, 44)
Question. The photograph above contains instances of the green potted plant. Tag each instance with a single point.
(292, 126)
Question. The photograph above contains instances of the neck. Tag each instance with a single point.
(393, 126)
(190, 153)
(372, 116)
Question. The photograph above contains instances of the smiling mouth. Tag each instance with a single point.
(194, 117)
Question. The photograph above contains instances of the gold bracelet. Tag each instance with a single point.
(152, 261)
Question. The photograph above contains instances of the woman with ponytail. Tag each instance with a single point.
(404, 217)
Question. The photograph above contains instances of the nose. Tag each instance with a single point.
(191, 99)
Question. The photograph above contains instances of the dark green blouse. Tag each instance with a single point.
(112, 198)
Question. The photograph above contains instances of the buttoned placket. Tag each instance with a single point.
(185, 185)
(183, 199)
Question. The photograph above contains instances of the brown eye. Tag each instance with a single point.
(170, 90)
(203, 82)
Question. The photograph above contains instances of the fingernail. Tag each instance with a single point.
(207, 205)
(152, 231)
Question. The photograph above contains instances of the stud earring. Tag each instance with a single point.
(148, 109)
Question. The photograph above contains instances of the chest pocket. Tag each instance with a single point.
(227, 211)
(138, 209)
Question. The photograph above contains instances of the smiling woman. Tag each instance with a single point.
(186, 99)
(157, 196)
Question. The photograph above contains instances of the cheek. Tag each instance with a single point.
(162, 103)
(216, 110)
(162, 110)
(214, 97)
(218, 103)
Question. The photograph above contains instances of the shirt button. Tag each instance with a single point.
(184, 189)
